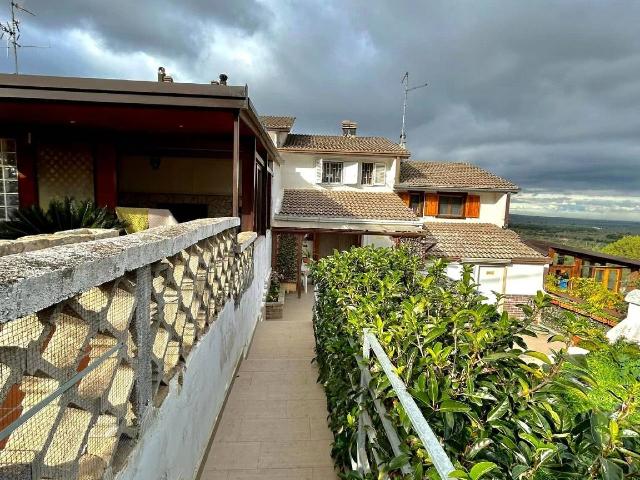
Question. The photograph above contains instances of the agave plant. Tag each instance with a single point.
(65, 214)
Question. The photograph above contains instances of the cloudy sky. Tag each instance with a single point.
(546, 93)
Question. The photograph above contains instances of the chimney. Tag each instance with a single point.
(223, 78)
(163, 77)
(349, 128)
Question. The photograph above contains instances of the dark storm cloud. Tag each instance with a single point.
(546, 93)
(155, 26)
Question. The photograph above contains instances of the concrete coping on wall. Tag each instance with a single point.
(245, 239)
(35, 280)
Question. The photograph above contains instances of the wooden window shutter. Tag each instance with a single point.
(404, 196)
(431, 205)
(380, 171)
(472, 206)
(319, 170)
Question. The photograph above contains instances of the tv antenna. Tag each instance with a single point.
(407, 89)
(12, 30)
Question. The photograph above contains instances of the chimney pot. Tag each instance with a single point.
(223, 78)
(349, 128)
(161, 74)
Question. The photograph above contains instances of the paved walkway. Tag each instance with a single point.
(274, 423)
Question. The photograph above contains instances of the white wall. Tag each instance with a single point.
(299, 171)
(276, 188)
(377, 241)
(174, 437)
(521, 279)
(524, 279)
(492, 210)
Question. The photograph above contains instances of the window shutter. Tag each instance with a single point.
(319, 170)
(404, 196)
(350, 173)
(380, 171)
(472, 206)
(431, 209)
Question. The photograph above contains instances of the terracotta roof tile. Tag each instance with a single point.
(340, 143)
(345, 204)
(448, 175)
(277, 122)
(457, 241)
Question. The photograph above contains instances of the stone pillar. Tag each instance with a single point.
(629, 328)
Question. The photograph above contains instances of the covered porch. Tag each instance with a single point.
(196, 150)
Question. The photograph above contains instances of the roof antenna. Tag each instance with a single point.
(407, 89)
(12, 30)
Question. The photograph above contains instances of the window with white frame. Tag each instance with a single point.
(373, 174)
(8, 178)
(332, 172)
(366, 178)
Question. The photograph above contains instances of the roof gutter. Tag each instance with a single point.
(404, 187)
(345, 152)
(504, 261)
(363, 221)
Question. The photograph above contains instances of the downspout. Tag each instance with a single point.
(506, 210)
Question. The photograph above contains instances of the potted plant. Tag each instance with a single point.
(275, 298)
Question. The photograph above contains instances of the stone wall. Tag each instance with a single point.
(30, 243)
(116, 354)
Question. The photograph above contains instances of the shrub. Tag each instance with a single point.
(286, 262)
(462, 361)
(61, 215)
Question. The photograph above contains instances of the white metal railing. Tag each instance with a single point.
(438, 456)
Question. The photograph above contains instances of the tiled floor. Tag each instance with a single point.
(274, 423)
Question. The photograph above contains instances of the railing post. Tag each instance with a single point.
(362, 460)
(142, 328)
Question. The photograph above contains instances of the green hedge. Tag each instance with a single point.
(500, 414)
(286, 264)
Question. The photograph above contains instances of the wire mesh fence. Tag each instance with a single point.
(76, 378)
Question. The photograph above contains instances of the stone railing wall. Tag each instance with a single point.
(48, 240)
(93, 335)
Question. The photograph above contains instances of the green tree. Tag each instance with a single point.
(628, 246)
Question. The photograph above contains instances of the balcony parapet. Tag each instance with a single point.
(35, 280)
(92, 335)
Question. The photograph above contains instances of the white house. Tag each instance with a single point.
(342, 190)
(338, 190)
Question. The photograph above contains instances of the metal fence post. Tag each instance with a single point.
(363, 461)
(142, 324)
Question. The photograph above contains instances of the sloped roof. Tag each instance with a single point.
(275, 122)
(343, 144)
(449, 175)
(300, 203)
(456, 241)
